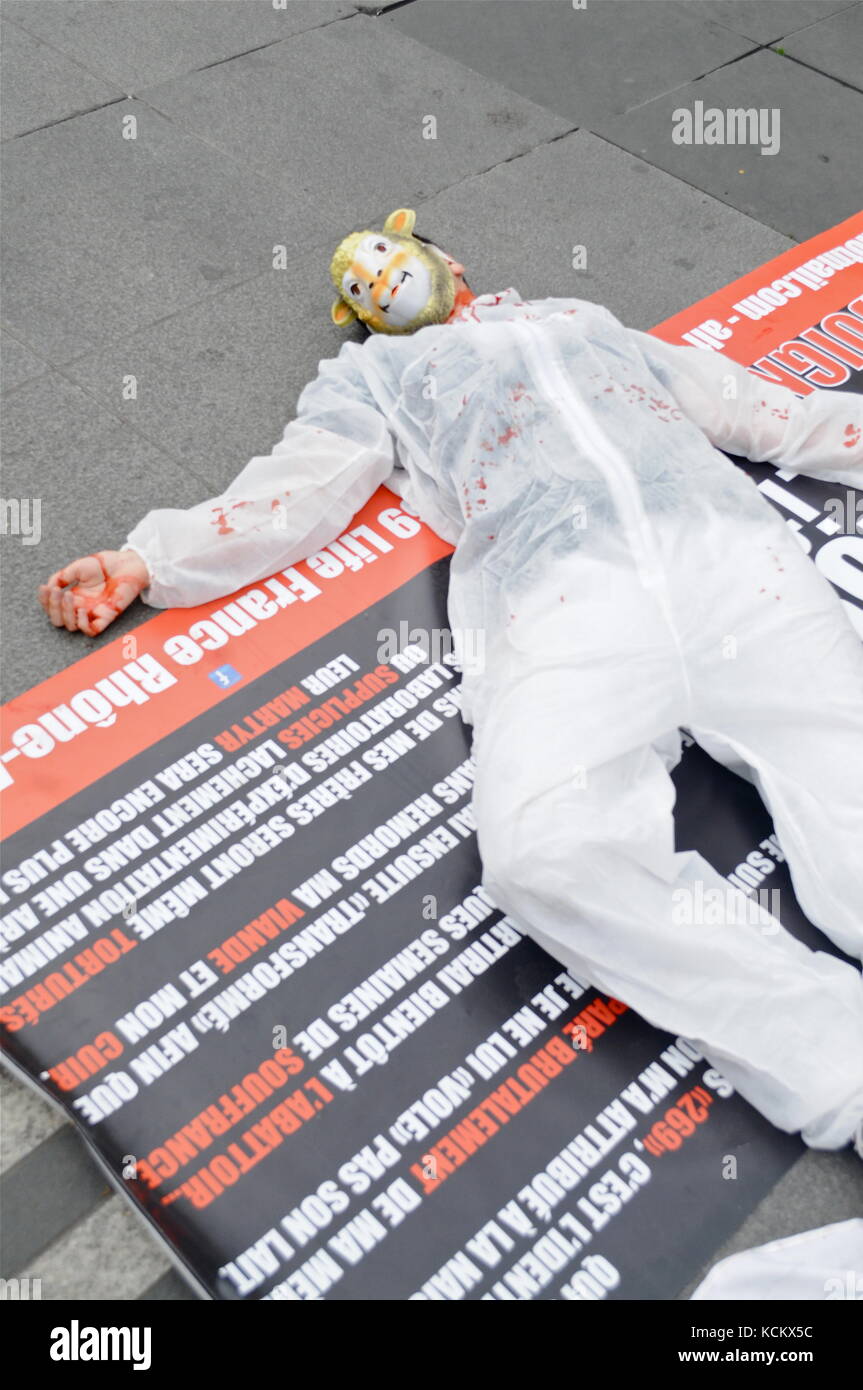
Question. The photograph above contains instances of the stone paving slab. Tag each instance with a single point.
(834, 47)
(587, 65)
(94, 477)
(170, 1287)
(766, 20)
(135, 43)
(218, 383)
(44, 1195)
(822, 1187)
(812, 182)
(304, 136)
(41, 86)
(27, 1120)
(108, 1256)
(517, 225)
(17, 362)
(103, 234)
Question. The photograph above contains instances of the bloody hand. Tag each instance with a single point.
(89, 594)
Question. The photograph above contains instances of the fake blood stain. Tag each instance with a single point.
(221, 518)
(107, 598)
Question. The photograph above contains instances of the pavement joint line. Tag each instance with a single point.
(831, 77)
(375, 11)
(222, 149)
(62, 120)
(58, 367)
(179, 463)
(17, 341)
(71, 1145)
(86, 1145)
(38, 39)
(189, 134)
(510, 159)
(786, 33)
(596, 135)
(258, 48)
(108, 410)
(246, 166)
(189, 72)
(714, 197)
(229, 58)
(690, 81)
(792, 33)
(28, 380)
(116, 345)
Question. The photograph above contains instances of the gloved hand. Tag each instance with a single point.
(89, 593)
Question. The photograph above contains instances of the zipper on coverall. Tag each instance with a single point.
(588, 436)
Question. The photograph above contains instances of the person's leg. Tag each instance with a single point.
(785, 708)
(584, 863)
(775, 673)
(574, 801)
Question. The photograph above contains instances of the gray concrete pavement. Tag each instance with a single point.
(157, 151)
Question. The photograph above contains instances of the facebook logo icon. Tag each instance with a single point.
(225, 676)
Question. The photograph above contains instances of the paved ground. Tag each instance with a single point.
(258, 126)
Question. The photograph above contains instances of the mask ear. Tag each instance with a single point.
(403, 221)
(342, 314)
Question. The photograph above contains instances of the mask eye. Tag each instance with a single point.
(354, 289)
(380, 246)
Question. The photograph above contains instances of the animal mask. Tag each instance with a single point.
(390, 280)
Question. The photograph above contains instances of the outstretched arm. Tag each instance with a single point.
(282, 507)
(820, 434)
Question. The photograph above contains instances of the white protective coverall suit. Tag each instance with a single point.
(628, 579)
(823, 1264)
